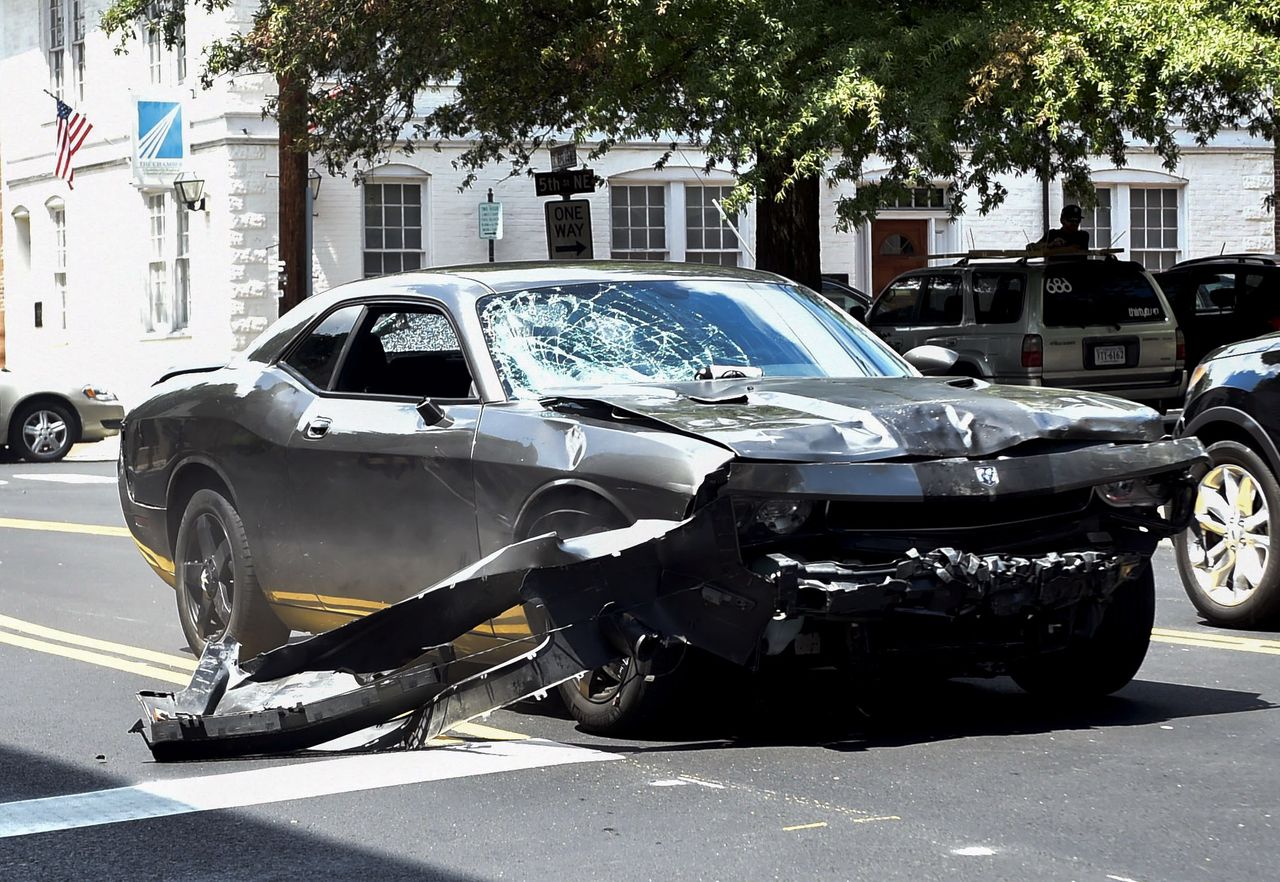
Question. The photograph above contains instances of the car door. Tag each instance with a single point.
(893, 315)
(381, 486)
(941, 311)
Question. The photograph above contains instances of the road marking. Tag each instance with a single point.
(68, 478)
(95, 658)
(159, 799)
(1211, 640)
(974, 851)
(63, 527)
(813, 826)
(180, 662)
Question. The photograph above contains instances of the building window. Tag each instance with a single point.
(155, 56)
(709, 236)
(180, 53)
(59, 216)
(638, 222)
(1097, 220)
(77, 47)
(920, 197)
(157, 317)
(182, 268)
(392, 228)
(1153, 226)
(57, 46)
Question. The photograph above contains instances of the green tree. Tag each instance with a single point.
(788, 93)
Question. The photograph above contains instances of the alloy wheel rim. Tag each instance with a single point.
(602, 685)
(1230, 537)
(44, 431)
(209, 577)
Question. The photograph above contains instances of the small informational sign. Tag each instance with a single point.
(490, 220)
(565, 183)
(569, 230)
(159, 141)
(564, 156)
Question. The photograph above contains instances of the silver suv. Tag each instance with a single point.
(1079, 323)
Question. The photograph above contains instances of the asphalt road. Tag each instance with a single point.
(1176, 777)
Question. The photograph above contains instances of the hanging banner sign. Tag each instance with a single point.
(159, 141)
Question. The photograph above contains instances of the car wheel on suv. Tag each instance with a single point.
(1224, 557)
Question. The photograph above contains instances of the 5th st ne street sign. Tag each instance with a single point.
(569, 230)
(565, 183)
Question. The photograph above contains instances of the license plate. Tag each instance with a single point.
(1106, 356)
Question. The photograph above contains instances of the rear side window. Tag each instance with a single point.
(943, 303)
(1216, 294)
(1090, 293)
(317, 355)
(997, 297)
(406, 353)
(897, 305)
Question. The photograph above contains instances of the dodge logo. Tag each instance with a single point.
(987, 475)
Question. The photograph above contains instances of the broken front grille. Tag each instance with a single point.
(954, 514)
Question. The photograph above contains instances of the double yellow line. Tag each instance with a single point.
(104, 653)
(1213, 640)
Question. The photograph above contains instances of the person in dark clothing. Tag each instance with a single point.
(1067, 236)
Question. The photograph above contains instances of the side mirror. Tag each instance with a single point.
(431, 413)
(932, 361)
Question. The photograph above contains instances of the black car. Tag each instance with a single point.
(852, 300)
(392, 432)
(1225, 558)
(1222, 299)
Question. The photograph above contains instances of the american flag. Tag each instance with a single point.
(73, 128)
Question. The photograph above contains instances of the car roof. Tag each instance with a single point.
(1253, 259)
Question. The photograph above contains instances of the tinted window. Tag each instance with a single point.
(1215, 293)
(943, 303)
(897, 305)
(997, 297)
(409, 353)
(1091, 293)
(317, 355)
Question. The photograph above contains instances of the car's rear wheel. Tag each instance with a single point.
(43, 431)
(1108, 659)
(629, 694)
(1224, 557)
(217, 587)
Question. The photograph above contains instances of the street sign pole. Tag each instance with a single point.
(490, 241)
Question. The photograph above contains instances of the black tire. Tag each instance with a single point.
(217, 589)
(43, 431)
(1239, 602)
(1106, 661)
(633, 694)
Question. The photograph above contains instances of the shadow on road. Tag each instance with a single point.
(203, 845)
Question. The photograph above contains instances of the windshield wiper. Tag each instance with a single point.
(728, 372)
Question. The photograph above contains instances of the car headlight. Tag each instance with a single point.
(1135, 492)
(783, 516)
(1197, 375)
(97, 393)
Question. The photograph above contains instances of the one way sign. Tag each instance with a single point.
(569, 230)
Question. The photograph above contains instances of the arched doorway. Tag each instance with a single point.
(896, 246)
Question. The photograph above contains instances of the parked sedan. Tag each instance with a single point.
(41, 418)
(383, 436)
(1225, 557)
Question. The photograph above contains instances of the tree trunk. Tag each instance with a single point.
(787, 230)
(292, 120)
(1275, 192)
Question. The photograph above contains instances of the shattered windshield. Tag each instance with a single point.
(672, 331)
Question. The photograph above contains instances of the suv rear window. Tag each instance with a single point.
(1089, 293)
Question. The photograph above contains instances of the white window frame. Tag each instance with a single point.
(58, 216)
(675, 181)
(1122, 182)
(55, 39)
(166, 311)
(1161, 257)
(722, 224)
(401, 175)
(617, 205)
(181, 314)
(154, 41)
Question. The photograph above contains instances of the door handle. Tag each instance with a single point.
(317, 428)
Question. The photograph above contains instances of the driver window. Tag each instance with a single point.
(406, 352)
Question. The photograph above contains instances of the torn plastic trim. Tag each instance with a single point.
(945, 582)
(682, 581)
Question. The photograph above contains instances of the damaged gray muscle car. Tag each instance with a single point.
(604, 472)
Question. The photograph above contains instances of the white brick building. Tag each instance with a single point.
(127, 281)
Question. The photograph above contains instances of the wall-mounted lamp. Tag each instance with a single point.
(313, 183)
(190, 192)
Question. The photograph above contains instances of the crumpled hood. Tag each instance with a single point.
(851, 420)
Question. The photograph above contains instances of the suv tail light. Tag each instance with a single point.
(1180, 354)
(1032, 351)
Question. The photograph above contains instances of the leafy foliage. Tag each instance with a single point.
(959, 90)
